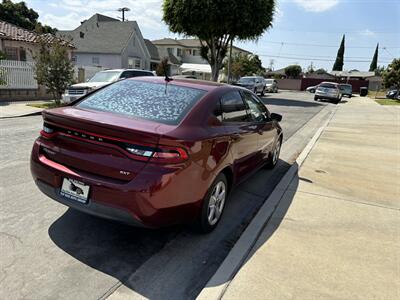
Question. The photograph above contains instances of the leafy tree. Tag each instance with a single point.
(217, 23)
(374, 63)
(293, 71)
(338, 66)
(2, 76)
(2, 70)
(19, 14)
(53, 68)
(391, 76)
(245, 65)
(162, 68)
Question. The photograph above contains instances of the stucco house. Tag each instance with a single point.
(105, 42)
(20, 47)
(184, 56)
(19, 44)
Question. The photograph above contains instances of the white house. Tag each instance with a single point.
(105, 42)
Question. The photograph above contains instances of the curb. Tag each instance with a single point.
(38, 113)
(219, 282)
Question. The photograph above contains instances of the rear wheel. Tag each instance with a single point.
(263, 92)
(316, 98)
(274, 156)
(255, 91)
(213, 205)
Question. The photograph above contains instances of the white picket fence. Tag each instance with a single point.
(18, 74)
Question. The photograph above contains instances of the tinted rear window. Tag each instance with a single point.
(328, 85)
(145, 100)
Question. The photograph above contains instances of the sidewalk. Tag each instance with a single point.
(336, 231)
(18, 109)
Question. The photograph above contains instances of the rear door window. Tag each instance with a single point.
(161, 103)
(130, 74)
(233, 108)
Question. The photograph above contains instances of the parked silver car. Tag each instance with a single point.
(255, 84)
(100, 79)
(329, 91)
(271, 85)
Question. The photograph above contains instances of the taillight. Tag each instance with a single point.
(47, 132)
(159, 154)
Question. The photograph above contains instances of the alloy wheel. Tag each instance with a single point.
(277, 150)
(216, 203)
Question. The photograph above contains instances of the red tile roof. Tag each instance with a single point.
(12, 32)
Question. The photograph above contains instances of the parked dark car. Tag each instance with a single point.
(153, 154)
(392, 94)
(346, 89)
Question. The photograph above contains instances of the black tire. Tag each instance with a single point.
(202, 224)
(272, 161)
(316, 98)
(255, 91)
(263, 92)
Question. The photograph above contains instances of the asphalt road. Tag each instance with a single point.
(48, 251)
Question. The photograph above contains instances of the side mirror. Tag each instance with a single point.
(276, 117)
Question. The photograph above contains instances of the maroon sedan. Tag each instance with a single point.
(152, 153)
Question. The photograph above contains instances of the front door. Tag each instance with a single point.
(242, 132)
(267, 132)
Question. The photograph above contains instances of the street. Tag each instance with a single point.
(50, 251)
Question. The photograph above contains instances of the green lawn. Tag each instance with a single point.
(388, 102)
(44, 105)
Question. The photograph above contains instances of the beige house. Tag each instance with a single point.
(20, 46)
(185, 58)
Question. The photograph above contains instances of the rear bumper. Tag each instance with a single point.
(326, 96)
(157, 197)
(92, 208)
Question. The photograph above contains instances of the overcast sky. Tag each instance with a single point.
(304, 31)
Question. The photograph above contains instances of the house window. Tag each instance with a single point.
(11, 53)
(195, 52)
(73, 58)
(138, 64)
(179, 52)
(170, 50)
(131, 61)
(95, 60)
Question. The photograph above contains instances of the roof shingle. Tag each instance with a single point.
(12, 32)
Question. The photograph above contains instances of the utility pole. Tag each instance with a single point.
(123, 10)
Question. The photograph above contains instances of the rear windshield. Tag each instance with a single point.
(328, 85)
(150, 101)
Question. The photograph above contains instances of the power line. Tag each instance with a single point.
(326, 46)
(316, 59)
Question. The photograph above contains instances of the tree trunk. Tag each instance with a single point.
(215, 72)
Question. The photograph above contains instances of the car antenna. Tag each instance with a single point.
(167, 79)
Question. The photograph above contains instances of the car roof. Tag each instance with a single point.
(329, 82)
(122, 70)
(186, 82)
